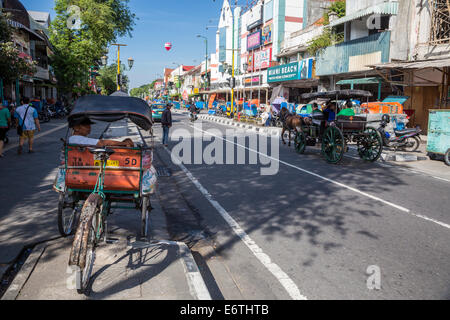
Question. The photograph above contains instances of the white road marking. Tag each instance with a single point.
(403, 209)
(40, 135)
(441, 178)
(279, 274)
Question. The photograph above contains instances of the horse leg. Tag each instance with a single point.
(289, 138)
(282, 135)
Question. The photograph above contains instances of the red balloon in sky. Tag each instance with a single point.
(168, 46)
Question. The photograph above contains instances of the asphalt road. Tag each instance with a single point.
(312, 230)
(318, 231)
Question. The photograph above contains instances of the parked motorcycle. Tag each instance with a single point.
(44, 115)
(57, 112)
(406, 139)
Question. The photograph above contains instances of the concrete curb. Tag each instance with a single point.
(398, 157)
(258, 129)
(402, 157)
(24, 273)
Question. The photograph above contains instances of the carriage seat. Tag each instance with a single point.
(406, 131)
(318, 118)
(356, 123)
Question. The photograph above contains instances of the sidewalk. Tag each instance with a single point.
(121, 270)
(124, 268)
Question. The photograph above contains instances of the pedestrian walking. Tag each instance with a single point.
(166, 122)
(5, 122)
(27, 121)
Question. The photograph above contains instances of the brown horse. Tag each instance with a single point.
(291, 122)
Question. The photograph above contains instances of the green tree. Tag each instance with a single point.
(142, 90)
(102, 22)
(337, 7)
(328, 37)
(12, 66)
(107, 79)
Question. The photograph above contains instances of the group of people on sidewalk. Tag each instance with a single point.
(26, 120)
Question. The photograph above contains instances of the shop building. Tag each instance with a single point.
(367, 31)
(420, 63)
(30, 37)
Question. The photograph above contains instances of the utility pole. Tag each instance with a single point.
(118, 63)
(206, 60)
(232, 63)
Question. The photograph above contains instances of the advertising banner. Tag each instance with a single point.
(291, 71)
(284, 72)
(250, 62)
(254, 40)
(252, 81)
(263, 58)
(267, 34)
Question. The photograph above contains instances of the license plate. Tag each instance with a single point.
(109, 163)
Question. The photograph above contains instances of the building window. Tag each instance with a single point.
(440, 21)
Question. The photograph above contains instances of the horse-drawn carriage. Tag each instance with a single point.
(334, 136)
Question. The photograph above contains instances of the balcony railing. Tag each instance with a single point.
(354, 55)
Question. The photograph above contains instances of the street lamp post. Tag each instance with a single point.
(118, 63)
(130, 63)
(245, 65)
(206, 60)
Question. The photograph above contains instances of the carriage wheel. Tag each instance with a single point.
(300, 142)
(67, 215)
(370, 145)
(144, 216)
(447, 157)
(333, 145)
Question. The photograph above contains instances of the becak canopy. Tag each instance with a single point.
(110, 109)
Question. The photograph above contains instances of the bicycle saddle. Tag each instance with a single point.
(99, 151)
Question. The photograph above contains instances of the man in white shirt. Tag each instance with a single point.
(82, 128)
(27, 117)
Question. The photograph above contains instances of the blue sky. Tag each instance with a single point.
(161, 21)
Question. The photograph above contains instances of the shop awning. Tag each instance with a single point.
(386, 8)
(419, 64)
(375, 80)
(291, 51)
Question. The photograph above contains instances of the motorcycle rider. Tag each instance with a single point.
(193, 109)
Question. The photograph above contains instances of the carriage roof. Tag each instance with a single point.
(336, 94)
(112, 108)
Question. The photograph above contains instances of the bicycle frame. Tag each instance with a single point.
(99, 190)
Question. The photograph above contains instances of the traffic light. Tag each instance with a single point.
(232, 82)
(119, 79)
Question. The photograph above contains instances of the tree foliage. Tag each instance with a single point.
(12, 65)
(102, 22)
(328, 37)
(107, 79)
(337, 7)
(142, 90)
